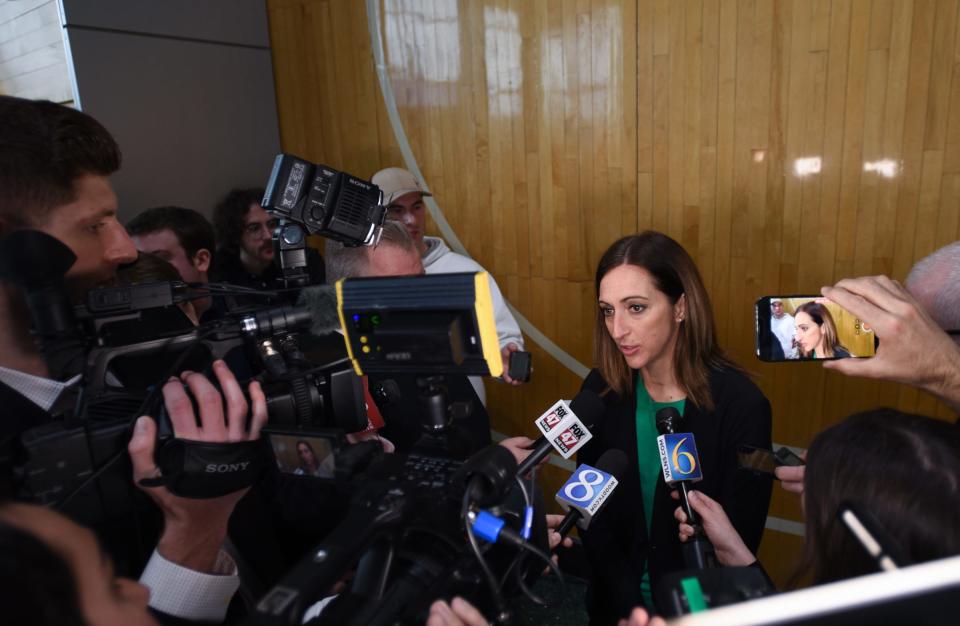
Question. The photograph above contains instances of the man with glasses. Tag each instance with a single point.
(245, 253)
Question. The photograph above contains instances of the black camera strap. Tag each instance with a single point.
(200, 469)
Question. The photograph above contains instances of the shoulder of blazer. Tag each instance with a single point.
(728, 385)
(594, 381)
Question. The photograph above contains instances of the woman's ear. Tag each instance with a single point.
(680, 308)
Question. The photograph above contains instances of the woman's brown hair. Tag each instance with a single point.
(902, 469)
(821, 317)
(675, 274)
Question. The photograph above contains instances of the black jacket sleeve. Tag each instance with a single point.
(745, 496)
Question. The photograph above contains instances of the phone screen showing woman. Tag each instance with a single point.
(804, 328)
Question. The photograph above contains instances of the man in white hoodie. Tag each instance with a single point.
(403, 195)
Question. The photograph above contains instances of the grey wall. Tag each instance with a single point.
(186, 88)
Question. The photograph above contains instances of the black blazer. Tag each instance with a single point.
(617, 544)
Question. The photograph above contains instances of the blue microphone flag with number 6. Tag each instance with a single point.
(679, 458)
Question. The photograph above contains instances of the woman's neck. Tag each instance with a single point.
(660, 380)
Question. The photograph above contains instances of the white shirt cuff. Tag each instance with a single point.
(188, 594)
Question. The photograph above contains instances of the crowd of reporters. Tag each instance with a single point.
(55, 164)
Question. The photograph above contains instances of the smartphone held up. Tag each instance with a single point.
(763, 462)
(803, 328)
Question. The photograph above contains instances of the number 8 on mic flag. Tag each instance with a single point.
(586, 490)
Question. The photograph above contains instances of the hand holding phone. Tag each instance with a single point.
(763, 461)
(521, 364)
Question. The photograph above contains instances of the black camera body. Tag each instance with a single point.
(324, 201)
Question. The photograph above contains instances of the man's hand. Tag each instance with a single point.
(458, 613)
(913, 349)
(194, 529)
(553, 537)
(505, 353)
(520, 447)
(729, 547)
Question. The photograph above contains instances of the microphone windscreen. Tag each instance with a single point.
(588, 407)
(668, 420)
(613, 462)
(321, 301)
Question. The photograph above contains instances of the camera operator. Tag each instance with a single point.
(189, 577)
(54, 168)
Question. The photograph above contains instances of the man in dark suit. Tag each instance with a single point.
(54, 168)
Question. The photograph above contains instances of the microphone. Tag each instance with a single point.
(321, 303)
(588, 489)
(681, 466)
(565, 428)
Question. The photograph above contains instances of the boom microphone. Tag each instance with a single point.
(565, 428)
(321, 302)
(588, 489)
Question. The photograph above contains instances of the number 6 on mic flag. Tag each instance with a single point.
(678, 458)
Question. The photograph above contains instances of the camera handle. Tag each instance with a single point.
(290, 246)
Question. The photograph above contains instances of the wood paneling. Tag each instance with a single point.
(786, 144)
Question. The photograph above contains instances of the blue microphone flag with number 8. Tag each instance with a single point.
(586, 491)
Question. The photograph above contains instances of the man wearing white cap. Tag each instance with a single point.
(403, 196)
(781, 324)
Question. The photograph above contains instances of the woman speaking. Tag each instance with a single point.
(655, 346)
(817, 333)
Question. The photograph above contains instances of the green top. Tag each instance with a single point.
(649, 462)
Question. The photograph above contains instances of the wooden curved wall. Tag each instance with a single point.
(786, 144)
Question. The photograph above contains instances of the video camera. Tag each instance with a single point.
(122, 341)
(405, 525)
(118, 377)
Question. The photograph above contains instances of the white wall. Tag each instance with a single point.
(33, 63)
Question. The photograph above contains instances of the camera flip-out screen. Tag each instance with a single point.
(441, 323)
